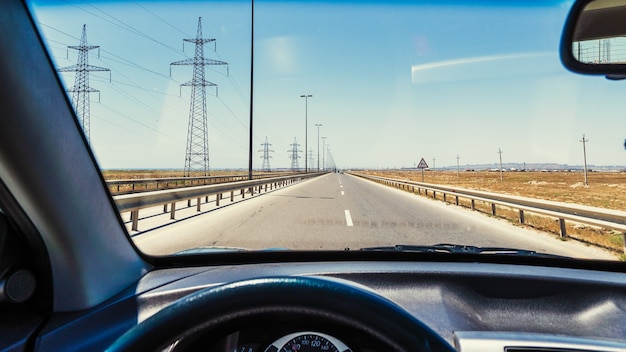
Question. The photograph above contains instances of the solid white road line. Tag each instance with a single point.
(348, 218)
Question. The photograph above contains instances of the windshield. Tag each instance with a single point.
(232, 126)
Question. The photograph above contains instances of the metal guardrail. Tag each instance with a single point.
(137, 201)
(605, 218)
(153, 184)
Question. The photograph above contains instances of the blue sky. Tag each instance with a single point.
(390, 84)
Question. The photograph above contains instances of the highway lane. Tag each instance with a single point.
(338, 211)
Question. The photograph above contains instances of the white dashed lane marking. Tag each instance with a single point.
(348, 218)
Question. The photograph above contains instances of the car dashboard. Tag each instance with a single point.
(472, 306)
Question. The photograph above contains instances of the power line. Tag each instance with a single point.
(135, 100)
(116, 22)
(134, 65)
(232, 113)
(234, 83)
(147, 90)
(162, 19)
(126, 129)
(58, 30)
(117, 112)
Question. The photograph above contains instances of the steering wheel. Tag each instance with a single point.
(210, 311)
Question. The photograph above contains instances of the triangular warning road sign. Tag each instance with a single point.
(422, 164)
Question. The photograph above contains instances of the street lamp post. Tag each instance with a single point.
(323, 153)
(318, 125)
(306, 130)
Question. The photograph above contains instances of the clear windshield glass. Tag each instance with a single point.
(449, 98)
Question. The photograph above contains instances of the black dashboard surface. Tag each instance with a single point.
(447, 297)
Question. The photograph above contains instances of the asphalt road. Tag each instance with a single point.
(338, 211)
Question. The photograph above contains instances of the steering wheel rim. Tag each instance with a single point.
(208, 310)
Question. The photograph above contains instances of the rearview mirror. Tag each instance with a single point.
(594, 38)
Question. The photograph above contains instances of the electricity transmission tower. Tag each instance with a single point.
(266, 155)
(311, 159)
(81, 89)
(330, 161)
(197, 152)
(294, 155)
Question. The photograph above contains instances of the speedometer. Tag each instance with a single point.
(308, 341)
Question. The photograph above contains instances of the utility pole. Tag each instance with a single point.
(433, 164)
(197, 151)
(604, 51)
(251, 123)
(266, 155)
(294, 155)
(584, 142)
(306, 127)
(81, 89)
(500, 152)
(323, 153)
(458, 170)
(318, 125)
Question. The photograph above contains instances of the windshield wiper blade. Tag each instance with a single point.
(222, 249)
(459, 249)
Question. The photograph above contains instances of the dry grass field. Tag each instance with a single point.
(605, 190)
(111, 175)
